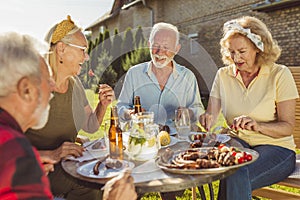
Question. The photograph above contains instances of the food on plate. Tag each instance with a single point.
(196, 144)
(97, 165)
(100, 144)
(199, 138)
(164, 138)
(164, 128)
(113, 164)
(215, 157)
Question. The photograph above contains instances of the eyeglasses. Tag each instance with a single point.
(84, 49)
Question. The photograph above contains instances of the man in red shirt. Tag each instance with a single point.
(25, 88)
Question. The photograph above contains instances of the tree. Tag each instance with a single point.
(140, 55)
(103, 72)
(139, 37)
(117, 55)
(128, 43)
(106, 42)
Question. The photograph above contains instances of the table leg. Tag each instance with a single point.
(202, 193)
(211, 191)
(194, 196)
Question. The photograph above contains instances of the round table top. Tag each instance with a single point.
(155, 180)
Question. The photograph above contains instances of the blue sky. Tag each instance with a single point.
(36, 17)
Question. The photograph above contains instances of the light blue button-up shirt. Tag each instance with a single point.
(181, 89)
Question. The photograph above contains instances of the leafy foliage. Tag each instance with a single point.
(111, 57)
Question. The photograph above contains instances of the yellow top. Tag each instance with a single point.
(258, 101)
(62, 29)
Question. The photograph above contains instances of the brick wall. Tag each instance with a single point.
(206, 17)
(285, 28)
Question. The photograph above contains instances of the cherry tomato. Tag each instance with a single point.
(248, 157)
(221, 146)
(241, 160)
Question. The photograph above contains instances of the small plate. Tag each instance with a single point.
(172, 131)
(98, 144)
(96, 148)
(104, 173)
(210, 137)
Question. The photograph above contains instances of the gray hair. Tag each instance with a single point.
(163, 26)
(19, 57)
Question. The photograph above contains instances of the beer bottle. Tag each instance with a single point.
(137, 105)
(115, 136)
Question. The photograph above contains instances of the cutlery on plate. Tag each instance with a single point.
(226, 130)
(89, 144)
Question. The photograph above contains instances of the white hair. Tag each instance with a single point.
(163, 26)
(19, 57)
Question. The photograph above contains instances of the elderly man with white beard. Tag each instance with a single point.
(162, 84)
(25, 90)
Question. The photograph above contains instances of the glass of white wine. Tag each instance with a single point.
(182, 123)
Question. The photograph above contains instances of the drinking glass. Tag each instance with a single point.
(142, 119)
(182, 123)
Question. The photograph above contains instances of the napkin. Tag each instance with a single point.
(93, 150)
(146, 167)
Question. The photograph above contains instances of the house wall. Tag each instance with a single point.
(206, 18)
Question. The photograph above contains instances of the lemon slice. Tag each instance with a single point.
(164, 138)
(151, 142)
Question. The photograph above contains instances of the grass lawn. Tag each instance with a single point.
(93, 99)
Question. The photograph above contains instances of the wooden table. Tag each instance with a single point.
(157, 180)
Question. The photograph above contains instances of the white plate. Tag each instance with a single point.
(98, 144)
(87, 170)
(173, 130)
(210, 137)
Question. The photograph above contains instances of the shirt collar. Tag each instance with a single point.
(175, 69)
(264, 69)
(8, 120)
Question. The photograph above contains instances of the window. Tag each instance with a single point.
(194, 45)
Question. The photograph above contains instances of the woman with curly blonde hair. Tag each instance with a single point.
(257, 98)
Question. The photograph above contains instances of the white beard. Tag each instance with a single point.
(43, 114)
(158, 64)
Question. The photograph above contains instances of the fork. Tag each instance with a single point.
(226, 130)
(90, 144)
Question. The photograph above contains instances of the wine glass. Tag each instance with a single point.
(182, 123)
